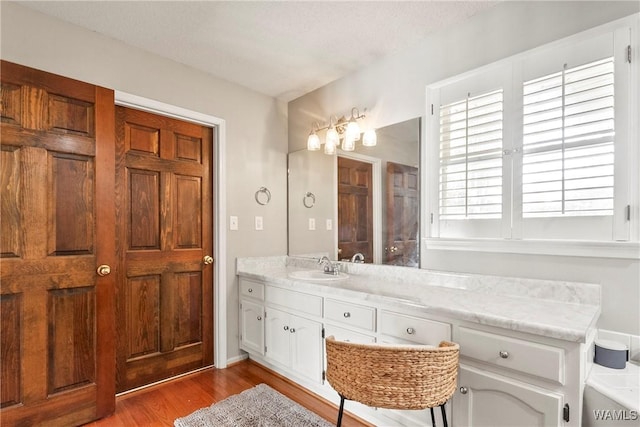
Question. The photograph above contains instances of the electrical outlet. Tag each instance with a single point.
(259, 224)
(233, 222)
(312, 224)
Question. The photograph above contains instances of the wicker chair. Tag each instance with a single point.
(393, 376)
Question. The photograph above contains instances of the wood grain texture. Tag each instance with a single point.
(49, 140)
(161, 404)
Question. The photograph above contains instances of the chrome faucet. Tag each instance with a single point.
(358, 258)
(328, 266)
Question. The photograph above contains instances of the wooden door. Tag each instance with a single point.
(57, 325)
(403, 215)
(164, 301)
(355, 208)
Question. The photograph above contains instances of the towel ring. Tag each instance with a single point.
(263, 196)
(306, 202)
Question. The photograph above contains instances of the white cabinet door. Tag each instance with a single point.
(252, 327)
(306, 348)
(295, 343)
(488, 399)
(278, 336)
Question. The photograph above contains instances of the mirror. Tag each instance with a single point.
(363, 201)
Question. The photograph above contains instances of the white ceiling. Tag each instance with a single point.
(280, 48)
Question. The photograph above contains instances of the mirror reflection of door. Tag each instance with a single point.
(355, 209)
(402, 215)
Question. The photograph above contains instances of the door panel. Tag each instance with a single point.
(165, 229)
(355, 208)
(403, 215)
(57, 321)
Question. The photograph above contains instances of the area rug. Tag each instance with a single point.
(260, 406)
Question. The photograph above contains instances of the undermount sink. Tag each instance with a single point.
(316, 275)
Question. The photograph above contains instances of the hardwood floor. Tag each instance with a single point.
(161, 404)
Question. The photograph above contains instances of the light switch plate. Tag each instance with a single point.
(259, 225)
(329, 224)
(312, 224)
(233, 222)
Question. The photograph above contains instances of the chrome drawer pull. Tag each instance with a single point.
(411, 331)
(504, 354)
(347, 314)
(259, 317)
(292, 330)
(464, 390)
(250, 290)
(286, 328)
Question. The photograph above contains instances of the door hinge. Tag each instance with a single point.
(432, 109)
(265, 349)
(432, 218)
(628, 212)
(323, 333)
(324, 375)
(629, 54)
(565, 412)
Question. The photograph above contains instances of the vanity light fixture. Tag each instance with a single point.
(346, 129)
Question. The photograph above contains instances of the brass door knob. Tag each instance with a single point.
(103, 270)
(207, 260)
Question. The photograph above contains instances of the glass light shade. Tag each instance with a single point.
(369, 139)
(349, 143)
(353, 130)
(329, 148)
(332, 138)
(313, 142)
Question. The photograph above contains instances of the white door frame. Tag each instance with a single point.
(219, 204)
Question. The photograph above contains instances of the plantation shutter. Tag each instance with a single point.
(568, 142)
(471, 157)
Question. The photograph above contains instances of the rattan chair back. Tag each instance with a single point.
(393, 376)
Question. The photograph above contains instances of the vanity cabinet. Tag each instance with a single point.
(508, 381)
(506, 377)
(252, 316)
(295, 343)
(486, 399)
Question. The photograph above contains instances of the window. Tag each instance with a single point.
(536, 147)
(568, 142)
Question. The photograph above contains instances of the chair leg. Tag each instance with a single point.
(444, 415)
(433, 418)
(340, 411)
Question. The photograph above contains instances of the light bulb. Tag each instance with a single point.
(313, 142)
(329, 148)
(332, 137)
(353, 130)
(349, 143)
(369, 139)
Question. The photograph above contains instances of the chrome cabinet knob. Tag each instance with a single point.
(207, 260)
(347, 314)
(411, 331)
(292, 330)
(286, 328)
(103, 270)
(464, 390)
(259, 317)
(249, 290)
(504, 354)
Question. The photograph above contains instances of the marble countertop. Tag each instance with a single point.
(562, 310)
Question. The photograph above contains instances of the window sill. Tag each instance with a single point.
(622, 250)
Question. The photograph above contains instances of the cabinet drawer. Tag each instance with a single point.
(358, 316)
(251, 289)
(298, 301)
(414, 329)
(525, 356)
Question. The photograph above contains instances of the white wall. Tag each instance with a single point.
(393, 89)
(256, 144)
